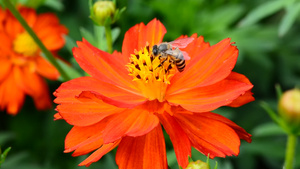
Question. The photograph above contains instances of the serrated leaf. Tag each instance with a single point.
(288, 19)
(88, 36)
(269, 129)
(262, 11)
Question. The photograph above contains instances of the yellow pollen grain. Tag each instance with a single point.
(24, 44)
(151, 77)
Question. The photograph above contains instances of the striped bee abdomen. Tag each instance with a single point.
(180, 63)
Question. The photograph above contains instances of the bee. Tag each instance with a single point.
(171, 50)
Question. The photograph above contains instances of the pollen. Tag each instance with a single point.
(151, 76)
(24, 44)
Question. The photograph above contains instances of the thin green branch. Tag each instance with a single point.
(108, 38)
(46, 52)
(290, 151)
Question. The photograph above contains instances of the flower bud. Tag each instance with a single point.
(289, 107)
(103, 11)
(197, 165)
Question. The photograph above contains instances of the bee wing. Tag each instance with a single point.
(185, 55)
(181, 43)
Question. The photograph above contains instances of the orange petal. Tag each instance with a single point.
(13, 27)
(239, 130)
(78, 135)
(132, 122)
(247, 96)
(5, 68)
(3, 16)
(49, 30)
(211, 97)
(137, 37)
(98, 154)
(33, 85)
(180, 141)
(208, 67)
(46, 69)
(209, 136)
(103, 66)
(6, 46)
(86, 110)
(11, 96)
(57, 116)
(143, 152)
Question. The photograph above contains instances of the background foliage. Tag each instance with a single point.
(266, 34)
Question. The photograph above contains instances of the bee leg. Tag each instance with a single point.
(161, 63)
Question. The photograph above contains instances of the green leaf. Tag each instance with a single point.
(70, 43)
(6, 136)
(55, 4)
(3, 155)
(288, 19)
(99, 32)
(262, 11)
(71, 72)
(268, 129)
(115, 34)
(88, 36)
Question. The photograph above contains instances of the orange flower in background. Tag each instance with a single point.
(130, 95)
(22, 66)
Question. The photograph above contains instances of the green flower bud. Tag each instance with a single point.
(289, 107)
(103, 11)
(197, 165)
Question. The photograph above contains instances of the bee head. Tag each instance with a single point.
(155, 50)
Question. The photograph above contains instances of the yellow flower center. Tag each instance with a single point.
(24, 44)
(151, 76)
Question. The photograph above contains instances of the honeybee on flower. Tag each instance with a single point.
(129, 96)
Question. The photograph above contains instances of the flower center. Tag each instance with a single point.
(151, 76)
(24, 44)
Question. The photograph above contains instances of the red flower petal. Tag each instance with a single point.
(239, 130)
(209, 136)
(132, 122)
(86, 109)
(103, 66)
(78, 135)
(137, 37)
(5, 68)
(33, 85)
(49, 30)
(210, 66)
(211, 97)
(195, 47)
(6, 47)
(246, 97)
(98, 154)
(11, 96)
(180, 141)
(143, 152)
(13, 27)
(46, 69)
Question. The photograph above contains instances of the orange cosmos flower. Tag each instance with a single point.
(22, 66)
(129, 96)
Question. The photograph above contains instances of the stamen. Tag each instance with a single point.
(151, 73)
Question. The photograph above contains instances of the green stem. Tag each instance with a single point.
(47, 53)
(108, 38)
(290, 151)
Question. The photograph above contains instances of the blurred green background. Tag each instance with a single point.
(266, 34)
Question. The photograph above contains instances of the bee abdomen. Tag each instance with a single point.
(180, 65)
